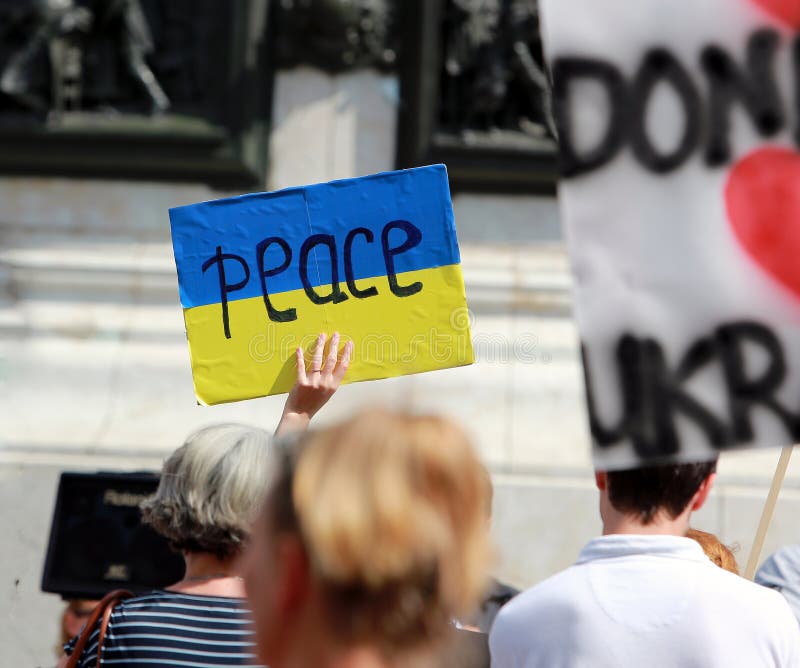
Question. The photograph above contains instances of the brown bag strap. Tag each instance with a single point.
(103, 610)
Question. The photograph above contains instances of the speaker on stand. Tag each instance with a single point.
(98, 542)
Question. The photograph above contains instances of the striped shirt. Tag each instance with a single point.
(166, 628)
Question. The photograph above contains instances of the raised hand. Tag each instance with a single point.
(315, 386)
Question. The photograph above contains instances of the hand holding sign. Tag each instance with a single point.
(376, 256)
(314, 386)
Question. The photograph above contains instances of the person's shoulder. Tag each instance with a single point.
(165, 600)
(766, 612)
(781, 567)
(543, 606)
(146, 600)
(540, 599)
(754, 600)
(789, 554)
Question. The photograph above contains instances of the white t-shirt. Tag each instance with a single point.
(645, 602)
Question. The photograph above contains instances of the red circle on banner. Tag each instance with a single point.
(762, 196)
(787, 11)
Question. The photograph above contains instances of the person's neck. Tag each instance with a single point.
(662, 525)
(207, 574)
(205, 566)
(358, 657)
(350, 657)
(314, 643)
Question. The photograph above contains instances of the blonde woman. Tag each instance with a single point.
(372, 540)
(210, 490)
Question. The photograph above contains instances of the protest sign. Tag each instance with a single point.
(679, 127)
(375, 258)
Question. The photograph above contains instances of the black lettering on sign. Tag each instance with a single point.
(658, 66)
(413, 238)
(348, 264)
(744, 393)
(608, 436)
(274, 314)
(653, 396)
(566, 71)
(676, 399)
(754, 88)
(707, 123)
(224, 287)
(336, 295)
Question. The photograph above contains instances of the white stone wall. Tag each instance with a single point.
(327, 128)
(94, 370)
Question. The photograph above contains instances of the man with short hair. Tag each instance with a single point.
(645, 596)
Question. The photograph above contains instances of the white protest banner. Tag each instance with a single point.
(679, 127)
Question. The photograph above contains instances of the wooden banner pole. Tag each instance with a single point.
(766, 514)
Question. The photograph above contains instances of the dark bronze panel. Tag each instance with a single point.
(160, 89)
(475, 94)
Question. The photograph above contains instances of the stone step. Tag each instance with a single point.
(98, 270)
(92, 319)
(108, 286)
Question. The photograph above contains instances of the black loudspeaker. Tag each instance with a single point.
(98, 542)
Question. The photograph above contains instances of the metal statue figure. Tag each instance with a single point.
(64, 30)
(126, 19)
(494, 77)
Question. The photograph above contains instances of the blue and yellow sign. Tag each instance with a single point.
(375, 258)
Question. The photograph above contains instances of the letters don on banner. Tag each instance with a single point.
(375, 258)
(679, 126)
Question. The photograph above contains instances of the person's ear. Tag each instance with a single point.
(601, 480)
(701, 495)
(294, 578)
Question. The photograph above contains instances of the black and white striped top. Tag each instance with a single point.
(166, 628)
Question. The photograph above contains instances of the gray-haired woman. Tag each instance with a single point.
(210, 491)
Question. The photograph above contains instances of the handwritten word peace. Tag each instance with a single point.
(413, 237)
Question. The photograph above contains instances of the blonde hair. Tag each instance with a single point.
(391, 509)
(211, 488)
(720, 554)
